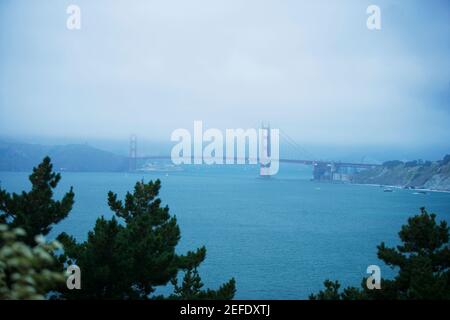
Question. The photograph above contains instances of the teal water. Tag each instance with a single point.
(279, 237)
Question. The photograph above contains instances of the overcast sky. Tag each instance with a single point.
(146, 67)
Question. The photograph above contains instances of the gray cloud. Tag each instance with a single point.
(149, 67)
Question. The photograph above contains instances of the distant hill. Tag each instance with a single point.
(416, 174)
(74, 157)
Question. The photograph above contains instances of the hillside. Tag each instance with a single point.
(414, 174)
(75, 157)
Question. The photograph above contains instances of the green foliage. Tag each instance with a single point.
(392, 163)
(36, 211)
(191, 288)
(446, 159)
(331, 291)
(128, 256)
(125, 257)
(26, 272)
(423, 261)
(413, 163)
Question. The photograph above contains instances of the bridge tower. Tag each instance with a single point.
(264, 169)
(132, 157)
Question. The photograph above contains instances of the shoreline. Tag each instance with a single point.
(401, 187)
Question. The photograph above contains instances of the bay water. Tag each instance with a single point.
(279, 237)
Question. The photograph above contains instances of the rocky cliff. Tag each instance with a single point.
(418, 174)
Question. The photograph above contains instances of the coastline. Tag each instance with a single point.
(401, 187)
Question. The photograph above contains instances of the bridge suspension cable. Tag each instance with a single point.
(297, 147)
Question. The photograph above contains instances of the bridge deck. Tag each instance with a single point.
(298, 161)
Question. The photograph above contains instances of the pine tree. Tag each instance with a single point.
(191, 288)
(36, 211)
(128, 256)
(423, 261)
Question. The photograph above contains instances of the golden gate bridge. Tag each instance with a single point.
(324, 170)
